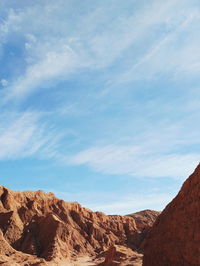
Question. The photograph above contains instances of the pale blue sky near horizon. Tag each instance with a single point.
(100, 100)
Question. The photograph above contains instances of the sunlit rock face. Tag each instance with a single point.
(175, 237)
(51, 230)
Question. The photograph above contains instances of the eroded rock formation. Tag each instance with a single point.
(52, 230)
(120, 255)
(175, 237)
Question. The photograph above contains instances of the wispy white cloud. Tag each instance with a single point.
(162, 150)
(54, 65)
(23, 135)
(137, 162)
(4, 82)
(164, 57)
(52, 55)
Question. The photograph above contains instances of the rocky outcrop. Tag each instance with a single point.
(175, 237)
(9, 256)
(144, 218)
(121, 255)
(52, 230)
(144, 221)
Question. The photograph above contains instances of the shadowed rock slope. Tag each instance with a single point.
(52, 230)
(175, 237)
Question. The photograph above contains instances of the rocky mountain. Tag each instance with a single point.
(175, 237)
(36, 228)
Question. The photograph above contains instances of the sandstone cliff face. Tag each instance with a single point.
(175, 237)
(51, 230)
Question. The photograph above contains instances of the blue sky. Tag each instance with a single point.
(100, 99)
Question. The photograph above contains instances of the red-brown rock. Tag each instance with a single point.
(175, 237)
(144, 218)
(121, 255)
(43, 226)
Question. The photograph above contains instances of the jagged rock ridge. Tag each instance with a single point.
(52, 230)
(175, 237)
